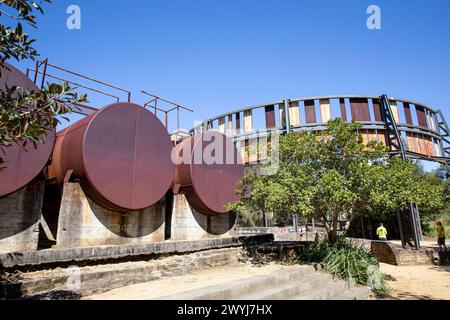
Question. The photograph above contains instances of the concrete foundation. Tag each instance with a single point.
(188, 224)
(20, 213)
(83, 223)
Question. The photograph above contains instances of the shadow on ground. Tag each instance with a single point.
(54, 295)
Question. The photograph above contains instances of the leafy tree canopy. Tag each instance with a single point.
(333, 175)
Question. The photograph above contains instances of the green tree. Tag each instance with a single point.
(14, 42)
(26, 116)
(333, 175)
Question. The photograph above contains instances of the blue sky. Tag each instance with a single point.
(215, 56)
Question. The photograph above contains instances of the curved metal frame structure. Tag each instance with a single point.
(388, 120)
(408, 128)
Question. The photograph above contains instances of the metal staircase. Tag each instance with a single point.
(394, 139)
(397, 148)
(444, 131)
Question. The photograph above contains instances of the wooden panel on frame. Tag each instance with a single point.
(248, 121)
(282, 116)
(377, 109)
(408, 116)
(365, 136)
(325, 110)
(423, 145)
(343, 109)
(381, 137)
(230, 125)
(410, 142)
(431, 124)
(244, 151)
(430, 148)
(437, 149)
(253, 151)
(360, 109)
(269, 112)
(420, 111)
(222, 125)
(372, 135)
(310, 111)
(238, 123)
(394, 109)
(294, 114)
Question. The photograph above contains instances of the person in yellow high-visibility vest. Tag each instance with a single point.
(441, 236)
(382, 233)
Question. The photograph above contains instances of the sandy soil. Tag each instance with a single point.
(418, 282)
(407, 282)
(194, 280)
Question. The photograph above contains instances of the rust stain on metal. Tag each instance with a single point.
(22, 166)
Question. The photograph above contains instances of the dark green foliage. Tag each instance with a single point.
(315, 252)
(14, 42)
(25, 117)
(347, 261)
(332, 175)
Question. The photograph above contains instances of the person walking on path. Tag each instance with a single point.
(382, 233)
(441, 235)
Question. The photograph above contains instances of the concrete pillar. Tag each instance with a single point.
(188, 224)
(20, 213)
(83, 223)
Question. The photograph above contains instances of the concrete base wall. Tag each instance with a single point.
(387, 252)
(188, 224)
(282, 233)
(20, 213)
(83, 223)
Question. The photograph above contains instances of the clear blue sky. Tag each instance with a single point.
(215, 56)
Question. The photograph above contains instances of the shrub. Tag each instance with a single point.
(349, 262)
(357, 266)
(315, 252)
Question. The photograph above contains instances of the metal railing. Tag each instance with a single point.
(41, 69)
(156, 99)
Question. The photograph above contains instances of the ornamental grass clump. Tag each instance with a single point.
(356, 265)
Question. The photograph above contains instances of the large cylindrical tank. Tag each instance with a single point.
(22, 166)
(121, 155)
(208, 167)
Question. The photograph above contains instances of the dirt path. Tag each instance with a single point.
(418, 282)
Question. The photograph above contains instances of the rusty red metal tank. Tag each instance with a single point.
(208, 167)
(22, 166)
(121, 155)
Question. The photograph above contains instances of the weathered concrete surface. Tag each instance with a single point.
(83, 223)
(282, 233)
(188, 224)
(88, 280)
(94, 254)
(390, 253)
(19, 218)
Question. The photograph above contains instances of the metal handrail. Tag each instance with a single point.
(77, 84)
(44, 74)
(166, 112)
